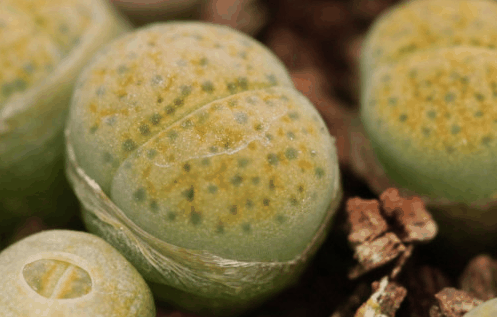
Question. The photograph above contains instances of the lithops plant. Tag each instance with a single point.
(427, 108)
(44, 45)
(70, 274)
(487, 309)
(194, 155)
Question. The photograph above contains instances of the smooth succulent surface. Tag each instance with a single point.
(69, 273)
(428, 111)
(45, 44)
(208, 154)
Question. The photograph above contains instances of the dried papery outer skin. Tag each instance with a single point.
(487, 309)
(43, 59)
(70, 273)
(419, 25)
(207, 169)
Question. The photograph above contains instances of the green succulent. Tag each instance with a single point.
(45, 44)
(429, 88)
(194, 155)
(70, 274)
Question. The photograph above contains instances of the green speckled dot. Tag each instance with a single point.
(243, 162)
(272, 79)
(294, 115)
(169, 110)
(155, 118)
(455, 129)
(246, 227)
(236, 180)
(207, 86)
(258, 127)
(212, 189)
(129, 145)
(93, 129)
(291, 153)
(255, 180)
(206, 161)
(426, 131)
(280, 218)
(249, 204)
(189, 193)
(213, 149)
(107, 157)
(449, 97)
(234, 209)
(269, 136)
(186, 90)
(154, 207)
(478, 114)
(171, 216)
(431, 114)
(294, 201)
(271, 184)
(195, 217)
(178, 102)
(403, 117)
(392, 101)
(479, 97)
(7, 90)
(144, 129)
(266, 202)
(272, 159)
(172, 135)
(485, 141)
(220, 228)
(290, 135)
(139, 195)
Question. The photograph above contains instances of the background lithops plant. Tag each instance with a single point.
(69, 273)
(45, 43)
(193, 154)
(428, 104)
(487, 309)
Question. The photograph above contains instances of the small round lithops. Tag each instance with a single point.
(70, 274)
(487, 309)
(427, 108)
(193, 154)
(44, 45)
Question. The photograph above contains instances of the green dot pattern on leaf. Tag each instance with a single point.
(429, 88)
(209, 141)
